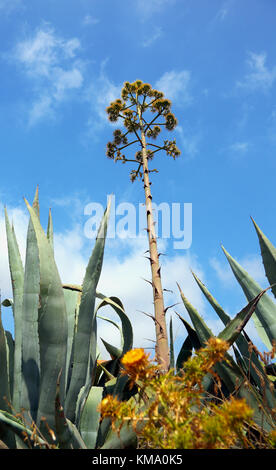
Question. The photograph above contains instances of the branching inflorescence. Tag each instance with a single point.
(138, 99)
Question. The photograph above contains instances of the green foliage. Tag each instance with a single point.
(51, 381)
(171, 412)
(247, 376)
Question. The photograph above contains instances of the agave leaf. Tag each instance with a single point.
(90, 417)
(171, 345)
(202, 330)
(185, 353)
(235, 326)
(36, 202)
(240, 361)
(106, 437)
(29, 395)
(50, 232)
(196, 344)
(112, 350)
(18, 428)
(191, 342)
(52, 324)
(78, 442)
(114, 324)
(268, 252)
(72, 300)
(218, 309)
(265, 312)
(5, 397)
(3, 445)
(111, 369)
(127, 331)
(10, 357)
(68, 435)
(107, 372)
(84, 354)
(17, 278)
(126, 440)
(105, 425)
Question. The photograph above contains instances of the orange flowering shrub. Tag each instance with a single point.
(170, 411)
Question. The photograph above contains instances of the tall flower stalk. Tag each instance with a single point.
(143, 111)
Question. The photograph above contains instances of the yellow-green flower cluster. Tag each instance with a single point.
(171, 413)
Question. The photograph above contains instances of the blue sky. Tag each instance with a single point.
(63, 62)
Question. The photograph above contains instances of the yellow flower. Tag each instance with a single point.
(109, 406)
(135, 358)
(237, 411)
(272, 436)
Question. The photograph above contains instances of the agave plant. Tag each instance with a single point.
(51, 381)
(249, 375)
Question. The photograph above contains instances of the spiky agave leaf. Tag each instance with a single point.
(29, 388)
(90, 417)
(67, 434)
(84, 354)
(268, 252)
(265, 312)
(127, 332)
(5, 397)
(52, 328)
(17, 278)
(171, 345)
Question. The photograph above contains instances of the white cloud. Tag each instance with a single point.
(175, 86)
(189, 142)
(43, 106)
(157, 33)
(90, 20)
(223, 12)
(99, 95)
(146, 8)
(51, 63)
(254, 266)
(260, 77)
(239, 147)
(223, 272)
(251, 263)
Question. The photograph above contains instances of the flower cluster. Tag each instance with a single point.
(114, 110)
(171, 149)
(153, 133)
(171, 121)
(161, 106)
(136, 365)
(119, 137)
(139, 88)
(139, 156)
